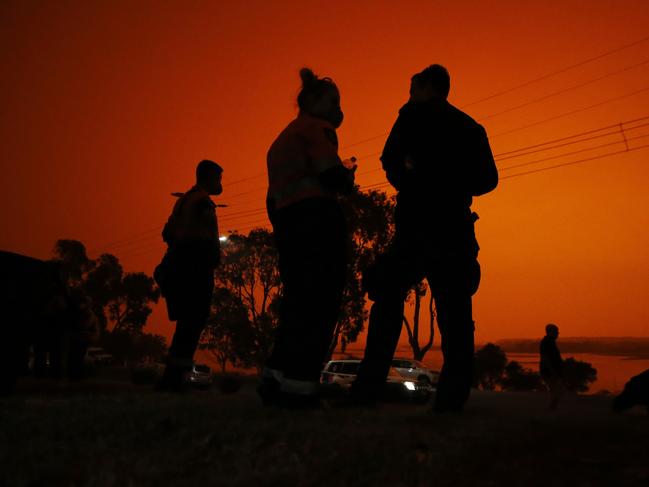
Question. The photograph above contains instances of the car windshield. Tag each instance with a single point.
(202, 368)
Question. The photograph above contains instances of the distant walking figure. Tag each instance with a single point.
(305, 177)
(551, 365)
(437, 158)
(186, 273)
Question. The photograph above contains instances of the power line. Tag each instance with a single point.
(502, 155)
(562, 91)
(547, 168)
(557, 72)
(576, 162)
(230, 218)
(378, 185)
(572, 112)
(524, 84)
(572, 153)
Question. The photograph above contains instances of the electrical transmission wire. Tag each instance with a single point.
(557, 72)
(572, 112)
(563, 90)
(242, 218)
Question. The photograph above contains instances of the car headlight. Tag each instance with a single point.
(409, 385)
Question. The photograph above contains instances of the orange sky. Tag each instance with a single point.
(108, 105)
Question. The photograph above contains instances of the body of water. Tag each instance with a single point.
(612, 371)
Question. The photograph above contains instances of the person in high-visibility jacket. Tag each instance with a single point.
(306, 178)
(186, 274)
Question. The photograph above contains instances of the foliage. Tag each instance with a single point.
(228, 333)
(578, 375)
(370, 221)
(74, 260)
(517, 378)
(489, 366)
(121, 302)
(250, 272)
(128, 308)
(127, 346)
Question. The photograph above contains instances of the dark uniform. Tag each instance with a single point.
(305, 174)
(551, 369)
(438, 158)
(186, 274)
(551, 362)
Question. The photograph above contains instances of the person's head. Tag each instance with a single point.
(320, 98)
(552, 330)
(208, 176)
(431, 83)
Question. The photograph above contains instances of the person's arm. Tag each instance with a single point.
(322, 149)
(208, 231)
(395, 152)
(483, 174)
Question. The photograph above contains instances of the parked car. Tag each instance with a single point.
(200, 376)
(339, 375)
(98, 356)
(414, 369)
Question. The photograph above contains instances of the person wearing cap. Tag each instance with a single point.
(305, 179)
(186, 273)
(437, 158)
(551, 364)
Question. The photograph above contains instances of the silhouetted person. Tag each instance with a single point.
(186, 274)
(635, 393)
(305, 178)
(437, 158)
(40, 311)
(551, 366)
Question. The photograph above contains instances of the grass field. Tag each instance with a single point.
(116, 434)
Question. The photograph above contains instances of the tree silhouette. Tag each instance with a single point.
(417, 293)
(517, 378)
(250, 271)
(75, 263)
(121, 302)
(228, 334)
(130, 303)
(489, 366)
(578, 375)
(370, 221)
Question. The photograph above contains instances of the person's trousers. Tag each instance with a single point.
(452, 278)
(189, 303)
(311, 239)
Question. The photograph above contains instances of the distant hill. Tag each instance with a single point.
(632, 347)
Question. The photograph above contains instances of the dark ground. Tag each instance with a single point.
(115, 434)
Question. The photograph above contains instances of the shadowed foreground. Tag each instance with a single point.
(112, 434)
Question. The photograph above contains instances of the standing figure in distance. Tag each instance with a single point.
(186, 274)
(551, 366)
(437, 158)
(305, 179)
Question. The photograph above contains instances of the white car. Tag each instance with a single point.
(415, 370)
(97, 355)
(341, 374)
